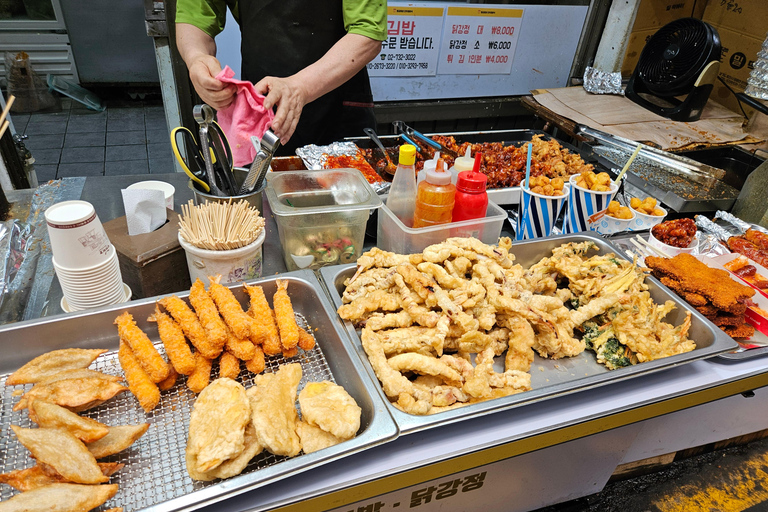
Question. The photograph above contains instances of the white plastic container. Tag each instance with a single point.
(393, 235)
(233, 265)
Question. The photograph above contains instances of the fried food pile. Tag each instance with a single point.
(218, 329)
(66, 475)
(677, 233)
(711, 291)
(424, 315)
(230, 425)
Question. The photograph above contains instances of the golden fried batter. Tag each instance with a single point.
(273, 405)
(53, 362)
(330, 407)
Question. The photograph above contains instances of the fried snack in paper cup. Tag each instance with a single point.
(586, 207)
(538, 213)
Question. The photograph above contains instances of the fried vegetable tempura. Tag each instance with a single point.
(314, 438)
(208, 314)
(329, 406)
(139, 382)
(191, 326)
(174, 342)
(52, 363)
(141, 346)
(286, 320)
(273, 409)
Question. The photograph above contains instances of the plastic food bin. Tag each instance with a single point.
(393, 235)
(321, 215)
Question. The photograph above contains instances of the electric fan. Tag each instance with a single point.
(681, 59)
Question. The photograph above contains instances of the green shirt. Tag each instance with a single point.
(363, 17)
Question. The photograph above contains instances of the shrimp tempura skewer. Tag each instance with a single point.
(191, 325)
(202, 374)
(286, 320)
(208, 314)
(174, 342)
(230, 309)
(141, 346)
(242, 348)
(142, 387)
(229, 366)
(263, 329)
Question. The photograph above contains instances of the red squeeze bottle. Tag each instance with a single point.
(471, 200)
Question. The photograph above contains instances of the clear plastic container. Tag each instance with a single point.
(321, 215)
(402, 193)
(393, 235)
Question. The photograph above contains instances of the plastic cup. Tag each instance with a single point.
(125, 297)
(538, 214)
(586, 207)
(78, 239)
(166, 188)
(233, 265)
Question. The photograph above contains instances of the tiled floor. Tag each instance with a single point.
(127, 138)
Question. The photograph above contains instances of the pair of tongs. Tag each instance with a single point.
(255, 178)
(409, 135)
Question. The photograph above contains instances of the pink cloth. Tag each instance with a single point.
(246, 116)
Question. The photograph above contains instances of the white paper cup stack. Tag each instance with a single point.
(83, 257)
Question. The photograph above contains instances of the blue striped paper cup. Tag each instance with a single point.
(538, 213)
(586, 207)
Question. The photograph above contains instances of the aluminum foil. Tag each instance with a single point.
(711, 228)
(314, 157)
(600, 82)
(741, 225)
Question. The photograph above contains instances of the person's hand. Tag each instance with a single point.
(202, 71)
(289, 97)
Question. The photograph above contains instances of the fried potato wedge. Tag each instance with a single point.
(50, 415)
(60, 498)
(41, 475)
(273, 409)
(63, 451)
(314, 438)
(329, 406)
(53, 362)
(118, 439)
(75, 394)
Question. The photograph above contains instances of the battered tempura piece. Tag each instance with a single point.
(273, 409)
(174, 342)
(290, 352)
(230, 467)
(169, 381)
(60, 449)
(217, 424)
(60, 498)
(243, 348)
(140, 384)
(329, 406)
(306, 340)
(79, 373)
(231, 310)
(256, 364)
(208, 314)
(146, 353)
(51, 363)
(263, 328)
(50, 415)
(286, 320)
(75, 394)
(41, 475)
(202, 374)
(314, 438)
(229, 366)
(191, 326)
(118, 439)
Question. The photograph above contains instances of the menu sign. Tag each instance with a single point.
(413, 42)
(479, 40)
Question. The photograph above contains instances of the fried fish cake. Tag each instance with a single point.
(119, 438)
(41, 475)
(53, 362)
(217, 424)
(314, 438)
(75, 394)
(50, 415)
(329, 406)
(60, 498)
(273, 405)
(63, 451)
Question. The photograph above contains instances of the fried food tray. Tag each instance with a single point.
(549, 378)
(155, 476)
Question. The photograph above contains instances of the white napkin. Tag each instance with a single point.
(144, 210)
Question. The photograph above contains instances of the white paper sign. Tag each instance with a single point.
(479, 40)
(413, 42)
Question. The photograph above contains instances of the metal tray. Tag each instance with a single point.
(155, 476)
(551, 378)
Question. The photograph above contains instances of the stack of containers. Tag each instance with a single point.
(84, 259)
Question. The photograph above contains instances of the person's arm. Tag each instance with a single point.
(198, 50)
(348, 56)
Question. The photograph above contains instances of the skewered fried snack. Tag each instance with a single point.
(170, 380)
(53, 362)
(174, 342)
(328, 406)
(256, 364)
(139, 382)
(75, 394)
(273, 410)
(208, 314)
(229, 366)
(60, 498)
(202, 374)
(191, 326)
(50, 415)
(231, 310)
(314, 438)
(63, 451)
(141, 346)
(119, 438)
(286, 320)
(306, 340)
(263, 328)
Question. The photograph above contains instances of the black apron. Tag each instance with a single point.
(281, 37)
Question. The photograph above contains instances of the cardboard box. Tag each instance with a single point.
(739, 52)
(635, 45)
(657, 13)
(746, 17)
(153, 263)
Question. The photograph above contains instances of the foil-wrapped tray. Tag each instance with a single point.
(155, 475)
(551, 378)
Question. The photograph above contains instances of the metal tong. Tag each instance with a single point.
(409, 135)
(267, 147)
(204, 114)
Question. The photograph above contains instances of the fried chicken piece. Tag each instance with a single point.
(424, 365)
(314, 438)
(75, 394)
(329, 406)
(742, 331)
(274, 415)
(726, 319)
(61, 498)
(707, 310)
(119, 438)
(49, 415)
(51, 363)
